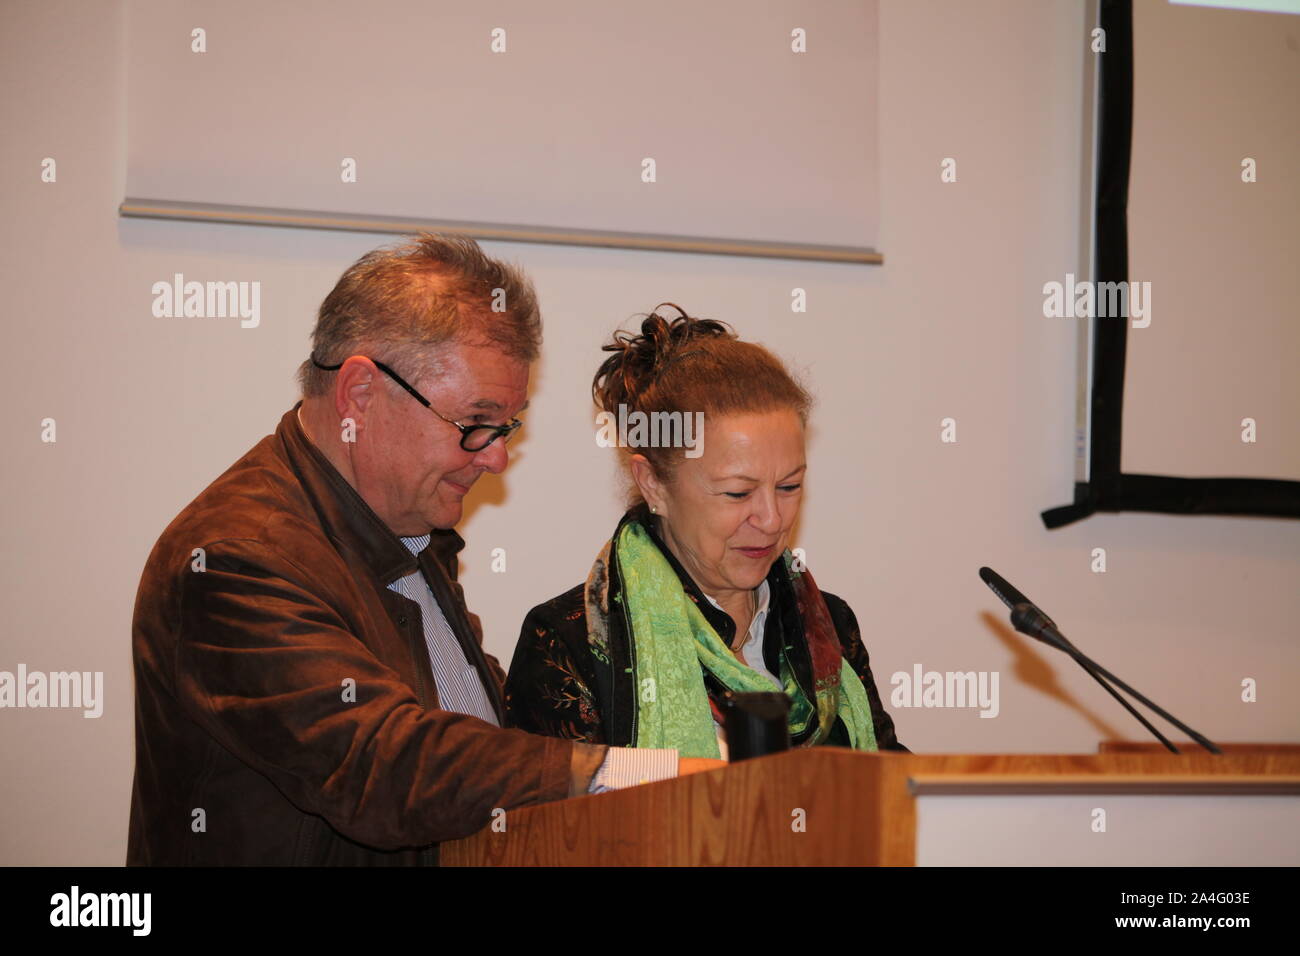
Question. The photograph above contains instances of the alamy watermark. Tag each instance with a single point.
(70, 689)
(181, 299)
(75, 908)
(923, 688)
(1098, 300)
(651, 430)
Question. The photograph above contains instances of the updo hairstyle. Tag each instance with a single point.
(691, 365)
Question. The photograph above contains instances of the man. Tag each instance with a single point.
(310, 687)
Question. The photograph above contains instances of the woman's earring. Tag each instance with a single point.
(654, 510)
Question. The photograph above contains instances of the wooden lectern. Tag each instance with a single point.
(832, 806)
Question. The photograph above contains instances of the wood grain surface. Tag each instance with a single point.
(828, 806)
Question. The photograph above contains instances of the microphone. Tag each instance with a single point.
(1028, 619)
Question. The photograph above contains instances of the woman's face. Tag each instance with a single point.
(727, 514)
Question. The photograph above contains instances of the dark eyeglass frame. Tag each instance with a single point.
(498, 431)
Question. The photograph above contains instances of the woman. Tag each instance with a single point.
(696, 592)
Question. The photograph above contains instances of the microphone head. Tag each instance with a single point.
(1008, 594)
(1002, 588)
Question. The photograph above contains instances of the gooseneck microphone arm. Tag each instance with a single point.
(1028, 619)
(1011, 598)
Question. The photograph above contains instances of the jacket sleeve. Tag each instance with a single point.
(267, 666)
(855, 652)
(548, 691)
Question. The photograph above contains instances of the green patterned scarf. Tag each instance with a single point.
(673, 639)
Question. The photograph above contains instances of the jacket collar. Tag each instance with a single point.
(345, 516)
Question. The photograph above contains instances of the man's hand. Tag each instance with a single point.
(584, 763)
(687, 765)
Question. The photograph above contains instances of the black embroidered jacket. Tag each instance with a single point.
(559, 688)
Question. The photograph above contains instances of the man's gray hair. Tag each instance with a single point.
(403, 304)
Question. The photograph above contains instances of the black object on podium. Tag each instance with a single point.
(756, 724)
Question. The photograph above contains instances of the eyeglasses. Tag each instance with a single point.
(472, 437)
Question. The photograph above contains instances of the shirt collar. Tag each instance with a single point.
(418, 543)
(760, 612)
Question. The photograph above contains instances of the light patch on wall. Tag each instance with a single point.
(1259, 6)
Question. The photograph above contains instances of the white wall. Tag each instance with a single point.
(150, 410)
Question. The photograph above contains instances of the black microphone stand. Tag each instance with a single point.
(1028, 619)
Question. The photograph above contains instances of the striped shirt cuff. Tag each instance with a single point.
(629, 766)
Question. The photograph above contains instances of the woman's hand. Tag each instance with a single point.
(687, 765)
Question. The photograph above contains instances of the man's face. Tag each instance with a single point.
(408, 462)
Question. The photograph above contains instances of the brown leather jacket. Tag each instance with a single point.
(286, 711)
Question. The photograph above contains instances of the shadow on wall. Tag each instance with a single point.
(1030, 667)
